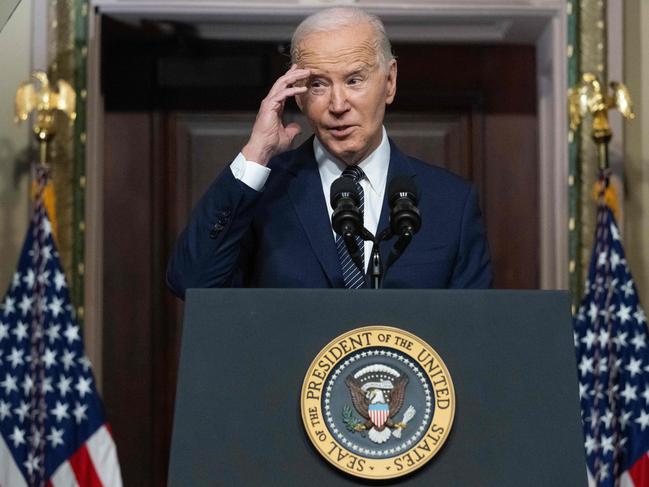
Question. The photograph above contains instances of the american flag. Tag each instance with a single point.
(52, 428)
(613, 362)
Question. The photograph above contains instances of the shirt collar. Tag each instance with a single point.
(375, 166)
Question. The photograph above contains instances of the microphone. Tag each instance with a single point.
(405, 219)
(403, 198)
(346, 219)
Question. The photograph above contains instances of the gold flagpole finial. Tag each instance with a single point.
(40, 97)
(589, 97)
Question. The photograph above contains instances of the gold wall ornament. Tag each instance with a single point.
(40, 97)
(588, 97)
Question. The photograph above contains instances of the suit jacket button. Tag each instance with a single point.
(216, 229)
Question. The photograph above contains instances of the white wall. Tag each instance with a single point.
(636, 142)
(15, 60)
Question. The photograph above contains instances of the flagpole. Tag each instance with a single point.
(590, 97)
(609, 313)
(602, 135)
(39, 99)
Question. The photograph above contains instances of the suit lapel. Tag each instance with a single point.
(305, 192)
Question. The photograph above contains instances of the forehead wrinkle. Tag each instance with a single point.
(364, 53)
(345, 71)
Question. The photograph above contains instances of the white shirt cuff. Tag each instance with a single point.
(249, 173)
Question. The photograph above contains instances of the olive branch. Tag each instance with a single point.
(348, 418)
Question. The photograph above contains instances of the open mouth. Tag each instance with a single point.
(341, 130)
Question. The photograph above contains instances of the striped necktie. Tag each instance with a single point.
(352, 276)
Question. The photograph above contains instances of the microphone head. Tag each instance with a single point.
(402, 187)
(343, 188)
(404, 214)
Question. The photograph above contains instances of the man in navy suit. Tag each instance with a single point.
(266, 222)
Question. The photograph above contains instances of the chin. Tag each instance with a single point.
(343, 150)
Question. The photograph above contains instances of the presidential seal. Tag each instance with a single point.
(378, 402)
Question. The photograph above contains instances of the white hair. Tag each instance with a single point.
(335, 18)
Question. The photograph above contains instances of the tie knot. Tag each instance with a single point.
(354, 173)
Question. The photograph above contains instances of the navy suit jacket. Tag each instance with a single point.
(282, 236)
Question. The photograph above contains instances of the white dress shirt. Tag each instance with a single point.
(375, 167)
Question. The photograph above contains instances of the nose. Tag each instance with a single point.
(338, 103)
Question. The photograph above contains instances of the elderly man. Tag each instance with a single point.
(266, 221)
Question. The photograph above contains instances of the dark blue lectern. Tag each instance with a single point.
(245, 353)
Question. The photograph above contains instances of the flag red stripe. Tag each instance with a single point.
(379, 417)
(101, 449)
(639, 472)
(83, 468)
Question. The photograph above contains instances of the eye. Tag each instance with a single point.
(356, 80)
(317, 86)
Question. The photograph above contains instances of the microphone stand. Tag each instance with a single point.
(376, 277)
(399, 247)
(376, 265)
(376, 269)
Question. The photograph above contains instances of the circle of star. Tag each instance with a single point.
(378, 452)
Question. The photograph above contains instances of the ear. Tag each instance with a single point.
(391, 84)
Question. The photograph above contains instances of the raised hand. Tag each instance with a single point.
(269, 135)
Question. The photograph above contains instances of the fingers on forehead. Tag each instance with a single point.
(289, 91)
(289, 78)
(282, 91)
(293, 76)
(294, 69)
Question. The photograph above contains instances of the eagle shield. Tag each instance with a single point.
(379, 413)
(378, 392)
